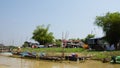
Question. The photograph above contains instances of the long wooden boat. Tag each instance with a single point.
(6, 54)
(55, 58)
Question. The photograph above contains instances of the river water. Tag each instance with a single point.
(9, 62)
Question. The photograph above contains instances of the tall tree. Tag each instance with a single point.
(42, 35)
(110, 24)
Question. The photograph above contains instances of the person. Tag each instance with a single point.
(19, 49)
(42, 54)
(114, 59)
(74, 55)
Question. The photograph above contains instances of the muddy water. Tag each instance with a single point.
(8, 62)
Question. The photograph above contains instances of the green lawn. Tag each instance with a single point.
(68, 50)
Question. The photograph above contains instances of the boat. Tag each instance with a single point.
(72, 58)
(75, 57)
(43, 56)
(115, 59)
(55, 58)
(6, 54)
(28, 54)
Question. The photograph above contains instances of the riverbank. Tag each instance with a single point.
(95, 55)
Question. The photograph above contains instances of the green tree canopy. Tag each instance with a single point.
(42, 35)
(58, 42)
(88, 37)
(26, 44)
(110, 24)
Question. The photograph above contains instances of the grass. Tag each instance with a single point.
(98, 55)
(68, 50)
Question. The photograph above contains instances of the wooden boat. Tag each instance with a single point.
(73, 58)
(6, 54)
(28, 54)
(55, 58)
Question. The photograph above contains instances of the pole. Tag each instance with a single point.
(62, 45)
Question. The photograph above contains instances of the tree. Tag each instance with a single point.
(88, 37)
(42, 35)
(58, 42)
(26, 44)
(110, 23)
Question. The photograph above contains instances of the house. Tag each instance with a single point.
(3, 48)
(73, 43)
(30, 44)
(96, 44)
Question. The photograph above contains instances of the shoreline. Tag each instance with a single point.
(61, 61)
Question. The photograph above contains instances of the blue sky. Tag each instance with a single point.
(18, 18)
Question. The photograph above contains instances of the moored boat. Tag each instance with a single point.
(28, 54)
(6, 54)
(115, 59)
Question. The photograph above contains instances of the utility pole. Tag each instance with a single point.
(64, 43)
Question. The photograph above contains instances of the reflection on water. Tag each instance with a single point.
(8, 62)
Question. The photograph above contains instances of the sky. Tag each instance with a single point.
(19, 18)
